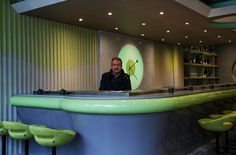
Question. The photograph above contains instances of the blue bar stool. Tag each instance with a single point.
(51, 137)
(19, 131)
(3, 133)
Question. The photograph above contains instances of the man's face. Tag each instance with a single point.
(116, 66)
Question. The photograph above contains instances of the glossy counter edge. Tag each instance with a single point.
(119, 106)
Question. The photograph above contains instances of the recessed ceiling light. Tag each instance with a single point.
(109, 13)
(200, 41)
(116, 28)
(178, 43)
(142, 34)
(80, 19)
(143, 23)
(186, 37)
(187, 23)
(229, 41)
(205, 31)
(168, 31)
(161, 13)
(219, 36)
(162, 39)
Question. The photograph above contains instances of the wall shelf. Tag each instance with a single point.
(191, 78)
(200, 67)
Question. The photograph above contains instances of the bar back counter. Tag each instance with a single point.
(154, 122)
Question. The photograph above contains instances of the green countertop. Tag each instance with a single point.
(121, 105)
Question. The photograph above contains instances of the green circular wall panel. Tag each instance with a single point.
(132, 64)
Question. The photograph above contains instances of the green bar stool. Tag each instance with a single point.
(218, 124)
(3, 134)
(229, 142)
(51, 137)
(19, 131)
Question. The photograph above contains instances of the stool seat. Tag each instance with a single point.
(18, 130)
(3, 131)
(227, 111)
(220, 124)
(51, 137)
(214, 116)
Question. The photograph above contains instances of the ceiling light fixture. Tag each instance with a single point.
(178, 43)
(142, 34)
(200, 41)
(205, 31)
(168, 31)
(80, 19)
(109, 13)
(186, 37)
(229, 41)
(219, 36)
(161, 13)
(116, 28)
(162, 39)
(187, 23)
(143, 23)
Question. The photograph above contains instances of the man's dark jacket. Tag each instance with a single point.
(109, 82)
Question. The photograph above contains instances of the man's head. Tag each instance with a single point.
(116, 65)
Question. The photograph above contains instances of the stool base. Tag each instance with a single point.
(4, 139)
(54, 150)
(26, 147)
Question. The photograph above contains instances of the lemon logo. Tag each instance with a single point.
(130, 67)
(133, 64)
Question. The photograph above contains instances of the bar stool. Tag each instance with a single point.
(3, 133)
(218, 123)
(19, 131)
(51, 137)
(229, 142)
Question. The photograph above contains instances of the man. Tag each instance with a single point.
(116, 79)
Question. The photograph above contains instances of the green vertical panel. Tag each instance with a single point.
(17, 20)
(30, 54)
(26, 53)
(1, 43)
(63, 56)
(58, 55)
(13, 50)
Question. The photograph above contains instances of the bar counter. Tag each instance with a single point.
(154, 122)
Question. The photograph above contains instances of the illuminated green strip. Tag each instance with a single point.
(223, 24)
(15, 1)
(37, 101)
(120, 106)
(222, 4)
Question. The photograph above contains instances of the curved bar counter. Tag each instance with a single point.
(126, 123)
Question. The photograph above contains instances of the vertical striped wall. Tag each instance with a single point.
(37, 53)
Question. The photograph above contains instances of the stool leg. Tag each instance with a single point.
(26, 147)
(226, 142)
(217, 143)
(4, 139)
(54, 150)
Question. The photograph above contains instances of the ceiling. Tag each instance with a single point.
(128, 16)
